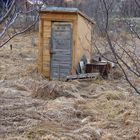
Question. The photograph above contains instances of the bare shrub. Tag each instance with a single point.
(54, 89)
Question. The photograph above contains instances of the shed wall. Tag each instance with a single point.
(44, 44)
(83, 39)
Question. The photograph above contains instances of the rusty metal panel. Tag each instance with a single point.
(61, 50)
(103, 68)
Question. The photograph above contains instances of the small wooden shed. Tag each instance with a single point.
(65, 36)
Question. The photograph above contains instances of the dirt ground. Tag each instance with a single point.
(31, 107)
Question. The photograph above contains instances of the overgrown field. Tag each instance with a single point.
(31, 107)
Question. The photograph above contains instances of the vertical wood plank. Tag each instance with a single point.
(40, 49)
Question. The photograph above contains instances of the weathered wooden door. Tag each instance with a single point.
(61, 49)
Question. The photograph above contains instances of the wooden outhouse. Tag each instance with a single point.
(65, 36)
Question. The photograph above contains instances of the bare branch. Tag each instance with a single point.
(3, 18)
(18, 33)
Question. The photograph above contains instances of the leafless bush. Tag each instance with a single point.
(16, 18)
(124, 48)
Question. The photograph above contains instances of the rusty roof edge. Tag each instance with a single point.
(69, 10)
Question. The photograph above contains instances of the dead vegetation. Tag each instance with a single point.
(54, 89)
(34, 108)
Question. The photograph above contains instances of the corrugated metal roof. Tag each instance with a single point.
(66, 9)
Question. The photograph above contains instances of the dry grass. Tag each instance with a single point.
(116, 74)
(115, 95)
(62, 111)
(54, 89)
